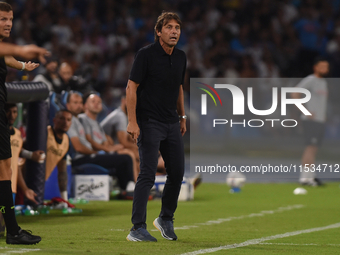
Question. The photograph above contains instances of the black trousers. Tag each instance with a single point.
(158, 136)
(118, 165)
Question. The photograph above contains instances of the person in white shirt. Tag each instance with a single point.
(314, 125)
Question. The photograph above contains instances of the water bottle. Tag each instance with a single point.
(71, 210)
(43, 209)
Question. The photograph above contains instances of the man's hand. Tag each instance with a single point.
(30, 66)
(133, 130)
(116, 147)
(183, 126)
(32, 51)
(37, 155)
(30, 195)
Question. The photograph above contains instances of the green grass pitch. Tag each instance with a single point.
(234, 218)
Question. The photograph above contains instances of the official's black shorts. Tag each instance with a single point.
(5, 143)
(313, 132)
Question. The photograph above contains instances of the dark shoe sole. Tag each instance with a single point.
(160, 229)
(132, 239)
(15, 243)
(20, 242)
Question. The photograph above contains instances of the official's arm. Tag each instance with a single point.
(27, 51)
(131, 101)
(180, 110)
(26, 66)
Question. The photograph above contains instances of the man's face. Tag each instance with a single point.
(322, 68)
(75, 104)
(62, 122)
(65, 72)
(12, 115)
(170, 33)
(6, 22)
(94, 104)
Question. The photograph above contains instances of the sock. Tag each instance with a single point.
(130, 186)
(64, 195)
(7, 207)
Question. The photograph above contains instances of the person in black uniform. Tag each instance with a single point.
(157, 121)
(15, 235)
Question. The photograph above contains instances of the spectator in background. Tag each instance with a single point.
(71, 82)
(18, 151)
(117, 165)
(114, 125)
(293, 31)
(122, 70)
(334, 45)
(95, 134)
(57, 147)
(267, 67)
(50, 76)
(88, 48)
(240, 43)
(110, 30)
(62, 30)
(311, 37)
(247, 67)
(41, 30)
(66, 73)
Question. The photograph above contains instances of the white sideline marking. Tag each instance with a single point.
(262, 239)
(16, 250)
(219, 221)
(300, 244)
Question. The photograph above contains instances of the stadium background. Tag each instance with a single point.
(230, 38)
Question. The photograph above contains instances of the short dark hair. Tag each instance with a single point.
(61, 111)
(88, 94)
(164, 19)
(319, 59)
(70, 93)
(5, 7)
(9, 106)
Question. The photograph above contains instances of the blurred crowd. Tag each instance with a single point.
(227, 38)
(93, 44)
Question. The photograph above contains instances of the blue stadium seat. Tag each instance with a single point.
(63, 100)
(54, 108)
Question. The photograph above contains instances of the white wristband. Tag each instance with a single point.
(26, 154)
(23, 66)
